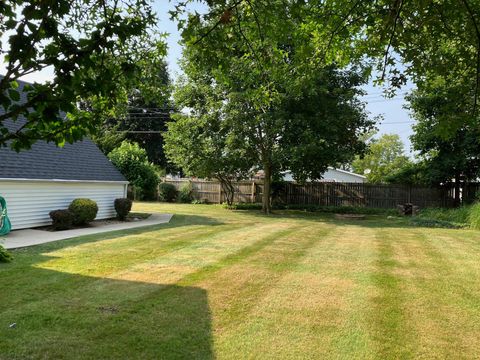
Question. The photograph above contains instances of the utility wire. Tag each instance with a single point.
(397, 122)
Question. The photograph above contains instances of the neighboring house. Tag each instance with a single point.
(333, 175)
(46, 177)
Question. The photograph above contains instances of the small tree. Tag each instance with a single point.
(132, 161)
(271, 95)
(385, 156)
(206, 147)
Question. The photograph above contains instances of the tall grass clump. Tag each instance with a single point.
(474, 216)
(457, 216)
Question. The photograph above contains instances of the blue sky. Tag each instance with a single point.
(396, 118)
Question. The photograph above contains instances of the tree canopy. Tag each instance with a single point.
(385, 156)
(78, 40)
(204, 143)
(451, 153)
(291, 112)
(397, 37)
(143, 117)
(132, 161)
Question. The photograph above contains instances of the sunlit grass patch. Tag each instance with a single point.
(217, 283)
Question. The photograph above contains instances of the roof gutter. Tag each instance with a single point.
(65, 181)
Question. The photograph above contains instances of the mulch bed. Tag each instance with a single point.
(132, 217)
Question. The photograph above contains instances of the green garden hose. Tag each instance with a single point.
(5, 225)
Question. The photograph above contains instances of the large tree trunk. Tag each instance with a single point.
(266, 205)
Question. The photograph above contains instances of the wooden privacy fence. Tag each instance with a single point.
(333, 193)
(211, 191)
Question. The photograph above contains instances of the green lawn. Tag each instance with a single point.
(223, 284)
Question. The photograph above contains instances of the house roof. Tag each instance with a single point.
(82, 160)
(347, 172)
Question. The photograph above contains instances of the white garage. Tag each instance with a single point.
(45, 178)
(30, 201)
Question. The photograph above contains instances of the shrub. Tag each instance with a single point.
(167, 192)
(5, 256)
(416, 221)
(200, 201)
(243, 206)
(457, 215)
(61, 219)
(185, 195)
(132, 161)
(317, 208)
(122, 207)
(83, 211)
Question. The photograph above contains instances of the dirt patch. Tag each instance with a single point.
(350, 216)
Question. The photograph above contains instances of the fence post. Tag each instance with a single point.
(252, 195)
(219, 193)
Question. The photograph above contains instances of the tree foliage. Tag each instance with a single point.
(385, 156)
(144, 116)
(76, 40)
(132, 161)
(289, 111)
(399, 38)
(446, 135)
(205, 143)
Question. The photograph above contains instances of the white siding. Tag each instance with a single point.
(342, 176)
(29, 202)
(334, 175)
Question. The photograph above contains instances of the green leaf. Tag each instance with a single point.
(14, 94)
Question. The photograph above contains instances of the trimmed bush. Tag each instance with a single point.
(167, 192)
(61, 219)
(185, 195)
(83, 211)
(122, 207)
(5, 256)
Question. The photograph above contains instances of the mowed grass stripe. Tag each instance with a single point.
(242, 309)
(314, 307)
(391, 329)
(218, 249)
(444, 298)
(222, 284)
(148, 262)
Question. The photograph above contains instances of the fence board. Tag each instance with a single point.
(334, 193)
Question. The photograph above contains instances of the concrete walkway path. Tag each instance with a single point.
(30, 237)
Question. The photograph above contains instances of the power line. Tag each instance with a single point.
(386, 100)
(397, 122)
(383, 95)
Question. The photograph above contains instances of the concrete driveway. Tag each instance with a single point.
(30, 237)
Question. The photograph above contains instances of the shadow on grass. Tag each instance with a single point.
(62, 315)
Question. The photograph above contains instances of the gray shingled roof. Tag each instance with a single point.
(82, 160)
